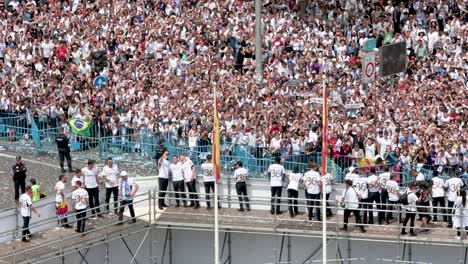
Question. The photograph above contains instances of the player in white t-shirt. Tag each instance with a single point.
(313, 188)
(360, 184)
(91, 183)
(208, 180)
(293, 191)
(241, 175)
(276, 174)
(452, 186)
(78, 177)
(351, 175)
(438, 195)
(383, 179)
(110, 174)
(26, 208)
(188, 170)
(163, 178)
(127, 190)
(80, 200)
(393, 190)
(178, 181)
(330, 181)
(61, 201)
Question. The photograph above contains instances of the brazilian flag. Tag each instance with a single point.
(80, 126)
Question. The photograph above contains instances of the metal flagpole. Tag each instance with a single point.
(324, 171)
(216, 227)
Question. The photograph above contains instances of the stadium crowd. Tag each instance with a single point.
(163, 58)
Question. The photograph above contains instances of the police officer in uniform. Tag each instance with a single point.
(19, 177)
(241, 174)
(63, 150)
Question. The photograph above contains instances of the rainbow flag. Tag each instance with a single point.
(62, 209)
(216, 146)
(80, 126)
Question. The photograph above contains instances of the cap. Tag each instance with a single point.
(33, 180)
(351, 169)
(123, 173)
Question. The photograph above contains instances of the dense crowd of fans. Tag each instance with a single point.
(163, 58)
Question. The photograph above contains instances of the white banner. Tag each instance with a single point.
(368, 67)
(354, 106)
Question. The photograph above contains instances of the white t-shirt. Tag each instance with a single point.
(126, 187)
(329, 180)
(412, 199)
(25, 201)
(453, 185)
(370, 151)
(420, 177)
(384, 178)
(111, 174)
(163, 166)
(47, 49)
(361, 186)
(60, 191)
(373, 183)
(351, 198)
(351, 176)
(75, 179)
(393, 189)
(176, 170)
(187, 170)
(241, 174)
(294, 179)
(80, 196)
(438, 187)
(276, 172)
(312, 180)
(89, 176)
(207, 169)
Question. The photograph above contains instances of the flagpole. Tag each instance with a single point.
(324, 170)
(216, 226)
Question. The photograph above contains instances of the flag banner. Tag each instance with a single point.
(216, 146)
(80, 126)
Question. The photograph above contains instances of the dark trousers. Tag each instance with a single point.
(329, 211)
(26, 231)
(192, 190)
(208, 186)
(113, 191)
(392, 205)
(439, 202)
(292, 195)
(94, 200)
(179, 187)
(80, 220)
(449, 217)
(383, 204)
(128, 203)
(19, 184)
(365, 206)
(276, 199)
(65, 155)
(313, 200)
(241, 190)
(409, 216)
(374, 197)
(357, 215)
(163, 183)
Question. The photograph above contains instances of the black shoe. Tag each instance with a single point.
(133, 221)
(248, 209)
(279, 212)
(120, 223)
(100, 216)
(30, 235)
(63, 170)
(191, 205)
(388, 222)
(164, 205)
(272, 212)
(403, 233)
(67, 226)
(412, 234)
(177, 205)
(450, 225)
(196, 206)
(161, 207)
(363, 230)
(78, 231)
(208, 208)
(240, 209)
(25, 240)
(344, 229)
(185, 205)
(291, 215)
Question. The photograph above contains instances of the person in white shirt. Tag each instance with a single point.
(178, 181)
(393, 197)
(452, 186)
(241, 175)
(350, 202)
(26, 208)
(110, 174)
(383, 179)
(373, 182)
(188, 171)
(208, 180)
(351, 175)
(293, 191)
(276, 174)
(127, 190)
(330, 181)
(91, 183)
(360, 184)
(418, 176)
(61, 201)
(438, 196)
(78, 177)
(410, 210)
(163, 178)
(313, 187)
(460, 214)
(80, 200)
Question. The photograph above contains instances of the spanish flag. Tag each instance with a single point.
(80, 126)
(216, 146)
